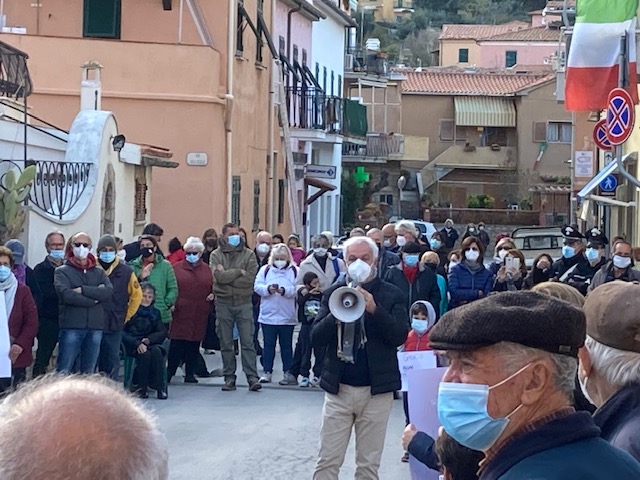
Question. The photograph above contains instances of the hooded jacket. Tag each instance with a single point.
(277, 309)
(234, 283)
(333, 270)
(417, 342)
(164, 280)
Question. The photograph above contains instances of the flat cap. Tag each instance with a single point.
(613, 315)
(531, 319)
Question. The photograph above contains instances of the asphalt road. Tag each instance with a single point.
(272, 434)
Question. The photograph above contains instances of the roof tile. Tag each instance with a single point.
(478, 82)
(535, 34)
(477, 32)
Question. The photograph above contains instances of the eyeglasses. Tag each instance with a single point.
(78, 245)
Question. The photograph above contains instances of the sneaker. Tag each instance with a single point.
(229, 385)
(254, 385)
(314, 381)
(288, 380)
(304, 382)
(265, 378)
(216, 373)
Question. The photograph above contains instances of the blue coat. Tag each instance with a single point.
(567, 448)
(464, 284)
(619, 419)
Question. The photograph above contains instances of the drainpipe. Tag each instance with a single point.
(272, 174)
(228, 117)
(289, 15)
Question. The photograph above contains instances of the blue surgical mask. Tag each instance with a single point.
(411, 260)
(234, 240)
(4, 272)
(462, 411)
(592, 254)
(107, 257)
(419, 325)
(192, 257)
(57, 254)
(568, 251)
(435, 243)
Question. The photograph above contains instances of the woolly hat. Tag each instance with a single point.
(107, 241)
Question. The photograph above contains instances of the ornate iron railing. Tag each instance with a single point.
(58, 185)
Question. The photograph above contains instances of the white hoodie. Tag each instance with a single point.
(277, 309)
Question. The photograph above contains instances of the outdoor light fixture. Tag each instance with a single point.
(118, 143)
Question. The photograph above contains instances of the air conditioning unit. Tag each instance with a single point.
(546, 60)
(348, 61)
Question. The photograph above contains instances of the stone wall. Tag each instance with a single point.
(486, 215)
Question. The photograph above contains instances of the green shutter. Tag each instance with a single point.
(102, 18)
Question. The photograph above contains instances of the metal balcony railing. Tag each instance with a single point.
(306, 108)
(379, 145)
(58, 185)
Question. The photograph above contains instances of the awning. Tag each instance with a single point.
(323, 188)
(602, 174)
(485, 112)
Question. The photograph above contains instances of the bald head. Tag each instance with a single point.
(264, 237)
(78, 428)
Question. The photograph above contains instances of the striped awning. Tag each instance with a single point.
(485, 112)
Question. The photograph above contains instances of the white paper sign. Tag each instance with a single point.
(584, 164)
(409, 361)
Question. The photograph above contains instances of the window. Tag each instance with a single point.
(256, 205)
(235, 199)
(102, 18)
(140, 195)
(463, 55)
(461, 133)
(559, 132)
(340, 86)
(386, 198)
(240, 33)
(295, 53)
(324, 79)
(282, 46)
(317, 70)
(280, 201)
(259, 34)
(511, 58)
(332, 80)
(446, 130)
(304, 57)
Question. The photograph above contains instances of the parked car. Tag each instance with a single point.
(532, 241)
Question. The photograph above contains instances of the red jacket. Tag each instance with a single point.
(416, 342)
(23, 325)
(195, 283)
(176, 256)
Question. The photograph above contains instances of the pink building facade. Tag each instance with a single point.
(495, 54)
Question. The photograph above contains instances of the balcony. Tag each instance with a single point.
(379, 148)
(362, 61)
(481, 158)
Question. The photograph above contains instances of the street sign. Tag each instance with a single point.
(600, 136)
(321, 171)
(608, 186)
(620, 116)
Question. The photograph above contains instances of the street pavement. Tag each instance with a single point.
(272, 434)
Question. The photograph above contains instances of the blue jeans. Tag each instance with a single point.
(82, 343)
(284, 335)
(109, 362)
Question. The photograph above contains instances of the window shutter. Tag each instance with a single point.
(446, 130)
(102, 18)
(539, 132)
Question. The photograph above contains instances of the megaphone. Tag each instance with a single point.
(346, 304)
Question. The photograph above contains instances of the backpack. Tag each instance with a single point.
(295, 272)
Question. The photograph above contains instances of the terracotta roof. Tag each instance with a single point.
(477, 32)
(535, 34)
(478, 82)
(559, 4)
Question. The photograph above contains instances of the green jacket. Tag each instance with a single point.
(231, 284)
(163, 278)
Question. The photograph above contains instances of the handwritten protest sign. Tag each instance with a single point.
(410, 361)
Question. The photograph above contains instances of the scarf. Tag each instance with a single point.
(20, 271)
(410, 272)
(473, 267)
(74, 262)
(8, 290)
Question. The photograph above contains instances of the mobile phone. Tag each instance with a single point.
(512, 263)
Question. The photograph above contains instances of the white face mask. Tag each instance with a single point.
(583, 387)
(621, 262)
(401, 241)
(387, 243)
(122, 254)
(502, 254)
(263, 249)
(80, 252)
(320, 252)
(359, 271)
(280, 263)
(472, 255)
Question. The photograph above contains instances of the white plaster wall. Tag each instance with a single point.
(328, 40)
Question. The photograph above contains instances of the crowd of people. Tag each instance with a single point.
(497, 324)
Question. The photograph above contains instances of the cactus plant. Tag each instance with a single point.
(13, 193)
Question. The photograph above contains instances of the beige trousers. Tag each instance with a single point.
(353, 407)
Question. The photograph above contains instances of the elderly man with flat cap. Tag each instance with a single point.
(509, 389)
(609, 371)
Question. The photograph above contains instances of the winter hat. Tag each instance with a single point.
(17, 248)
(412, 247)
(612, 315)
(531, 319)
(107, 241)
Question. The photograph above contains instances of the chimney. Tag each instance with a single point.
(91, 86)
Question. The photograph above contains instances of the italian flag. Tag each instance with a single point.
(592, 66)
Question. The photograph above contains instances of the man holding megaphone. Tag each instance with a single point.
(361, 322)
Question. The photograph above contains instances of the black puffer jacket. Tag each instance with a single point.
(386, 330)
(82, 310)
(424, 286)
(146, 323)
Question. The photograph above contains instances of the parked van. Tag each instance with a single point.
(532, 241)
